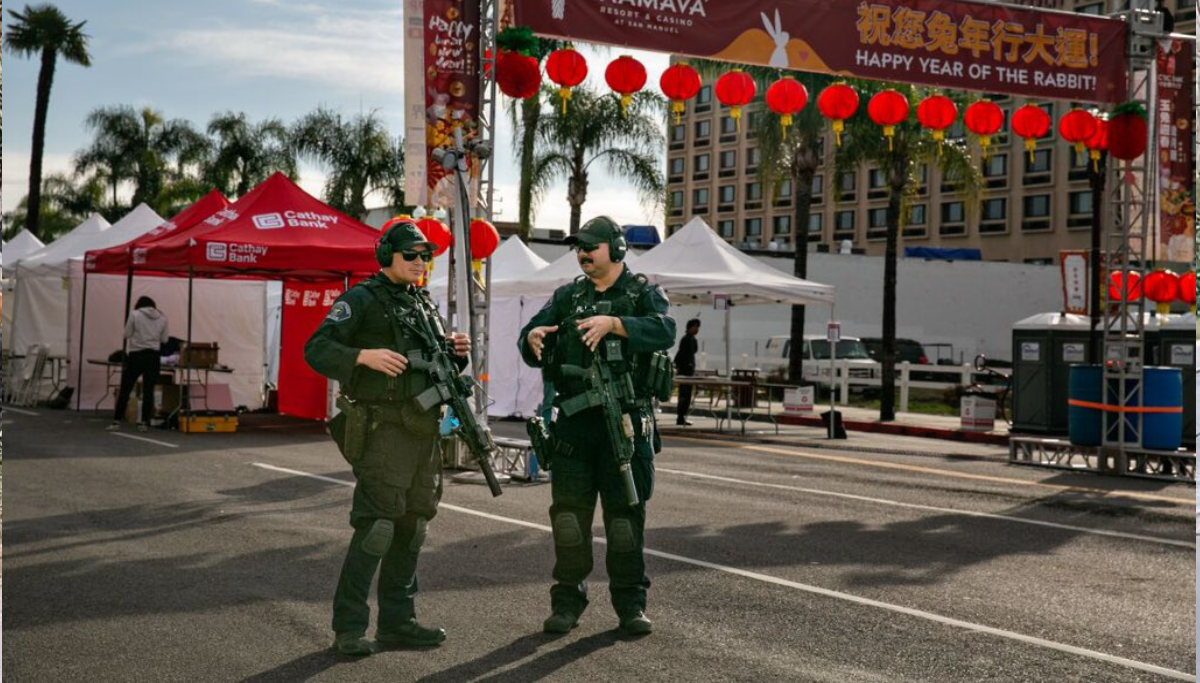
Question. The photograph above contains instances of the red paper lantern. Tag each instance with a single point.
(625, 75)
(1127, 132)
(984, 118)
(679, 83)
(736, 89)
(1124, 286)
(837, 103)
(1030, 122)
(786, 97)
(1077, 127)
(484, 239)
(888, 109)
(1161, 287)
(1187, 289)
(436, 231)
(567, 68)
(937, 113)
(1098, 143)
(517, 75)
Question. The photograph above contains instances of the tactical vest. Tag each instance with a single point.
(390, 311)
(569, 349)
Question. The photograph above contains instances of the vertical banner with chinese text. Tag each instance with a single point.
(441, 94)
(1176, 109)
(302, 392)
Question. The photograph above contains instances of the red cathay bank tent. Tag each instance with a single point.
(132, 254)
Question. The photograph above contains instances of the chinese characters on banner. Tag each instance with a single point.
(1074, 266)
(303, 392)
(970, 46)
(1176, 161)
(441, 92)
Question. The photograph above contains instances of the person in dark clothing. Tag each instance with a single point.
(685, 366)
(145, 333)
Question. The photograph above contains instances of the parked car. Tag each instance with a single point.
(906, 350)
(816, 349)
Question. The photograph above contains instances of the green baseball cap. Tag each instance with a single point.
(599, 230)
(405, 235)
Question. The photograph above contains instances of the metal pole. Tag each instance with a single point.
(832, 376)
(82, 320)
(728, 367)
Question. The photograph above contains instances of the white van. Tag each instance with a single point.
(816, 358)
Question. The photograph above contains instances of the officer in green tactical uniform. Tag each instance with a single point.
(365, 342)
(566, 332)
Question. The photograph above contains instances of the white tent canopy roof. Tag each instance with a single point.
(74, 243)
(21, 246)
(561, 271)
(512, 260)
(697, 264)
(55, 257)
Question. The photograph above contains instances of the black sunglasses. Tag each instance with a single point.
(425, 256)
(586, 248)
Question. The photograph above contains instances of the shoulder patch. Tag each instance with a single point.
(340, 312)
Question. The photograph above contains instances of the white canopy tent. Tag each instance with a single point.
(21, 246)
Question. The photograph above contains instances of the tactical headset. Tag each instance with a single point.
(384, 250)
(617, 246)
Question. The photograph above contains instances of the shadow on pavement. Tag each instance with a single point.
(535, 669)
(300, 669)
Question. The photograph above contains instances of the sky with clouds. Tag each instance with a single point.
(267, 58)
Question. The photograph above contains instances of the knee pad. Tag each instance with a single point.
(379, 538)
(620, 536)
(418, 538)
(567, 532)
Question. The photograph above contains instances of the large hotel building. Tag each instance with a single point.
(1030, 209)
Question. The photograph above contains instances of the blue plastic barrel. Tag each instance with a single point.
(1163, 389)
(1084, 424)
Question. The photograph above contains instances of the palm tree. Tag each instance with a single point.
(359, 153)
(796, 157)
(139, 147)
(594, 129)
(901, 162)
(65, 203)
(245, 154)
(526, 116)
(44, 30)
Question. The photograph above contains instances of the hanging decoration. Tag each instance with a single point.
(625, 75)
(786, 97)
(484, 240)
(1098, 143)
(888, 109)
(1127, 131)
(1161, 287)
(679, 83)
(1030, 122)
(736, 89)
(1187, 289)
(1077, 127)
(837, 103)
(1124, 286)
(517, 75)
(937, 113)
(436, 231)
(567, 68)
(984, 118)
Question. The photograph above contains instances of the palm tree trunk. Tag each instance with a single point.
(802, 183)
(531, 113)
(887, 399)
(577, 194)
(45, 81)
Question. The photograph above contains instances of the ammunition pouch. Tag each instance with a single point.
(351, 429)
(547, 446)
(658, 381)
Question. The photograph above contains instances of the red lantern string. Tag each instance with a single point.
(1030, 122)
(888, 109)
(1098, 143)
(517, 75)
(1077, 127)
(736, 89)
(1124, 286)
(1187, 289)
(1161, 287)
(786, 97)
(937, 113)
(484, 240)
(984, 118)
(567, 68)
(625, 75)
(679, 83)
(837, 103)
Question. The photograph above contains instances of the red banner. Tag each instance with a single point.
(303, 392)
(1176, 108)
(959, 45)
(442, 67)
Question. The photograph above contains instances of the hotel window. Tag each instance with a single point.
(1036, 213)
(993, 216)
(753, 192)
(916, 215)
(753, 158)
(678, 136)
(815, 223)
(728, 161)
(876, 184)
(753, 227)
(728, 126)
(727, 194)
(1081, 204)
(700, 167)
(818, 188)
(995, 171)
(725, 228)
(677, 199)
(700, 197)
(703, 129)
(953, 222)
(782, 225)
(1037, 172)
(704, 98)
(843, 225)
(677, 165)
(846, 182)
(876, 224)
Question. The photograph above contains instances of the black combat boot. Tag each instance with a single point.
(411, 634)
(560, 622)
(355, 645)
(636, 625)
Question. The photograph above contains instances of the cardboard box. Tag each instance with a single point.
(198, 354)
(194, 424)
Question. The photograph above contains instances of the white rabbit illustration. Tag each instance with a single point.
(779, 57)
(558, 8)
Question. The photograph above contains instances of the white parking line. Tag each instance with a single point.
(18, 411)
(930, 508)
(142, 438)
(816, 590)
